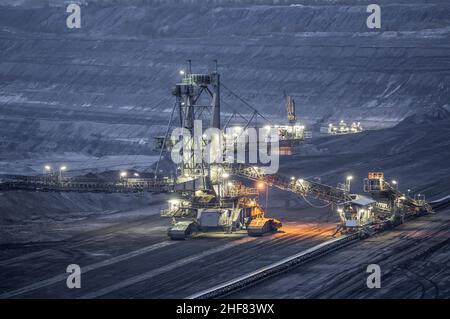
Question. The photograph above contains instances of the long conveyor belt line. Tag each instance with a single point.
(84, 184)
(303, 188)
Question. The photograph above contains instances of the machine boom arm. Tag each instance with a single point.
(300, 187)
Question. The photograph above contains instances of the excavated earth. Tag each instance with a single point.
(94, 98)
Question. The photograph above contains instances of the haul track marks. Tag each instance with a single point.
(409, 249)
(86, 269)
(155, 272)
(76, 241)
(215, 270)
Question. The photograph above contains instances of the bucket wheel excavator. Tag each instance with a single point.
(216, 202)
(209, 200)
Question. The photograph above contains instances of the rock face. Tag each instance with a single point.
(105, 88)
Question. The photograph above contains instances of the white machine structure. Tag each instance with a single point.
(228, 208)
(342, 128)
(293, 132)
(290, 133)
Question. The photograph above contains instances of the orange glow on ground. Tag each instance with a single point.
(309, 229)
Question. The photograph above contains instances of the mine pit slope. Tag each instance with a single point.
(105, 89)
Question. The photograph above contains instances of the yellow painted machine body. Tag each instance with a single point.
(263, 225)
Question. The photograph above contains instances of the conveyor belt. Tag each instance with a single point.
(301, 187)
(84, 184)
